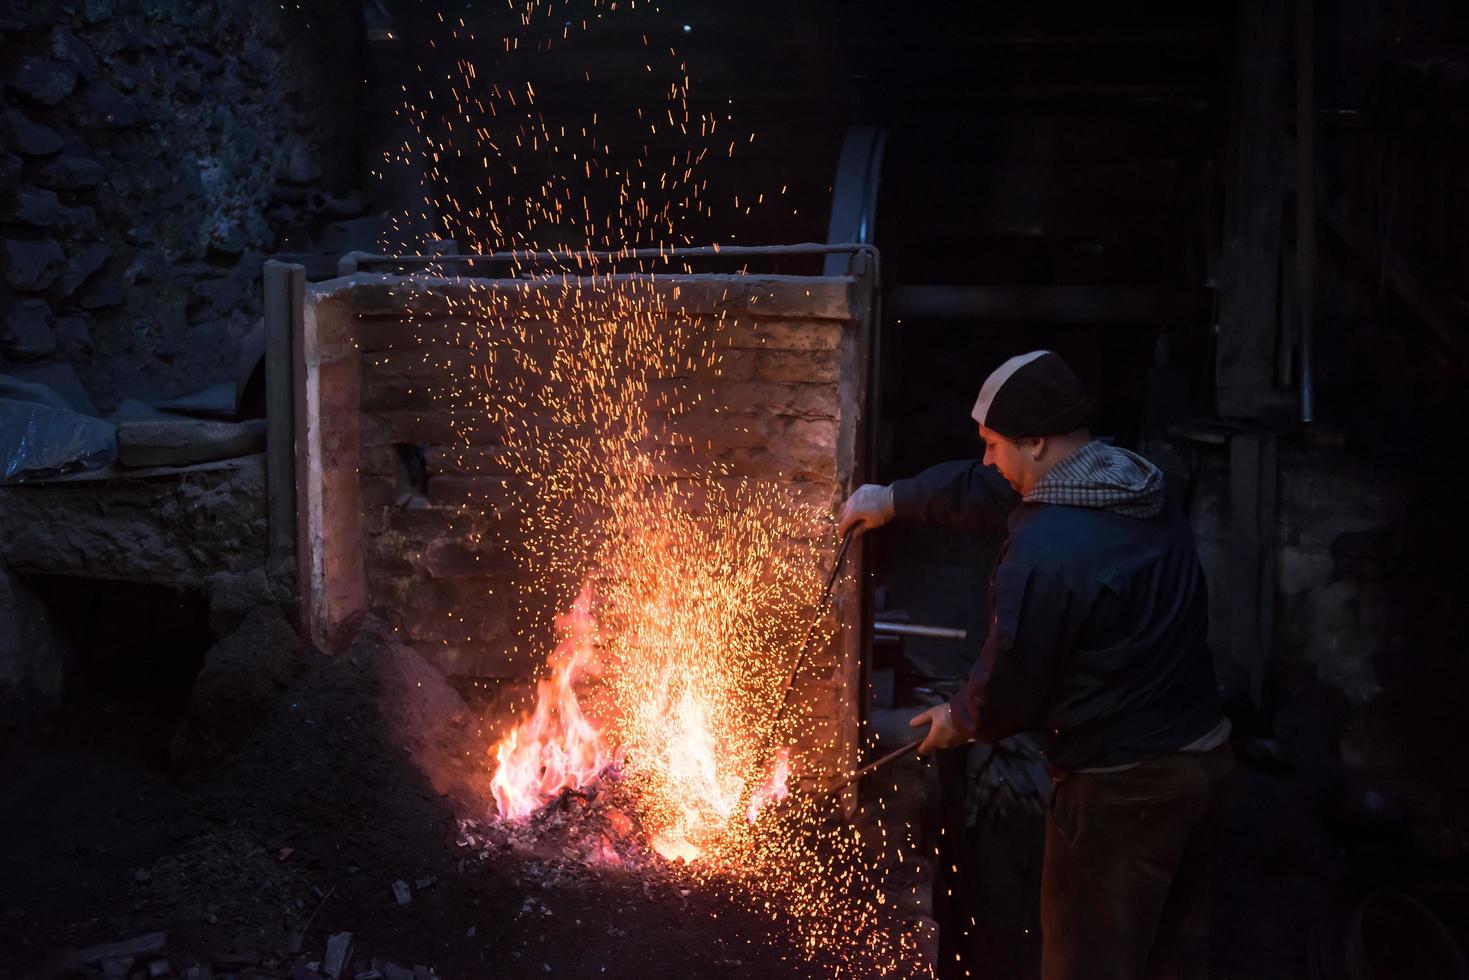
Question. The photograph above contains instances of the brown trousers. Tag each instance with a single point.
(1125, 890)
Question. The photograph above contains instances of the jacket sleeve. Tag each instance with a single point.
(1011, 685)
(964, 493)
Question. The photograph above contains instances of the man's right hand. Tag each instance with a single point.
(870, 506)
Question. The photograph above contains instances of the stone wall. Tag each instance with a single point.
(151, 153)
(780, 408)
(1370, 650)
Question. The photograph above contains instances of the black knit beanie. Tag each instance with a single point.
(1034, 394)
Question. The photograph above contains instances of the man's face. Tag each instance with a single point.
(1011, 458)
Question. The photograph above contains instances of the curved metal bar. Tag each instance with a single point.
(854, 190)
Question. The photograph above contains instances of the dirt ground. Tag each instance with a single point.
(318, 814)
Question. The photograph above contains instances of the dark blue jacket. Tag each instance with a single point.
(1097, 623)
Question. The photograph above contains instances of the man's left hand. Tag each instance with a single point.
(942, 732)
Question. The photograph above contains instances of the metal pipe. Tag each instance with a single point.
(915, 629)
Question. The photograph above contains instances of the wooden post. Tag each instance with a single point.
(285, 288)
(1251, 556)
(1306, 201)
(1249, 272)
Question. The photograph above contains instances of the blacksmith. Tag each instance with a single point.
(1098, 616)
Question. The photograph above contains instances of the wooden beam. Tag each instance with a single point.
(1249, 274)
(1445, 316)
(1306, 203)
(1052, 304)
(284, 290)
(1250, 579)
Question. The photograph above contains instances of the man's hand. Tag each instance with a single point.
(870, 506)
(942, 732)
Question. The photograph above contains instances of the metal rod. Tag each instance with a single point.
(836, 568)
(916, 629)
(871, 767)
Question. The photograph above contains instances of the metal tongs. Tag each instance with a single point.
(790, 681)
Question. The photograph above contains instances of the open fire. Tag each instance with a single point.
(676, 655)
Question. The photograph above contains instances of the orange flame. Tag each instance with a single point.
(557, 747)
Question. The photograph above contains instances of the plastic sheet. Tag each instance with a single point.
(41, 436)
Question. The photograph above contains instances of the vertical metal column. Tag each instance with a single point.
(285, 296)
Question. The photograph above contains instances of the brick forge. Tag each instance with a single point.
(782, 406)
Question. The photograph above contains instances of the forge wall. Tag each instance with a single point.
(401, 500)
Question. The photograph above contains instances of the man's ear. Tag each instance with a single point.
(1039, 449)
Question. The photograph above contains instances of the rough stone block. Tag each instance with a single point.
(31, 266)
(104, 107)
(374, 491)
(73, 52)
(171, 527)
(493, 494)
(730, 367)
(450, 609)
(33, 206)
(423, 523)
(234, 595)
(77, 222)
(808, 367)
(240, 680)
(41, 79)
(180, 442)
(815, 699)
(816, 497)
(430, 426)
(10, 167)
(764, 464)
(446, 377)
(25, 331)
(799, 335)
(455, 558)
(388, 333)
(483, 461)
(379, 461)
(69, 172)
(823, 297)
(683, 295)
(1301, 570)
(82, 266)
(29, 138)
(800, 400)
(73, 336)
(32, 654)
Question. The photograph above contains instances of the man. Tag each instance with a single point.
(1098, 616)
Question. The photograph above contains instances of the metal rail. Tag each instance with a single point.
(355, 261)
(915, 629)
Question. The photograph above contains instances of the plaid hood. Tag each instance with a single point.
(1105, 478)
